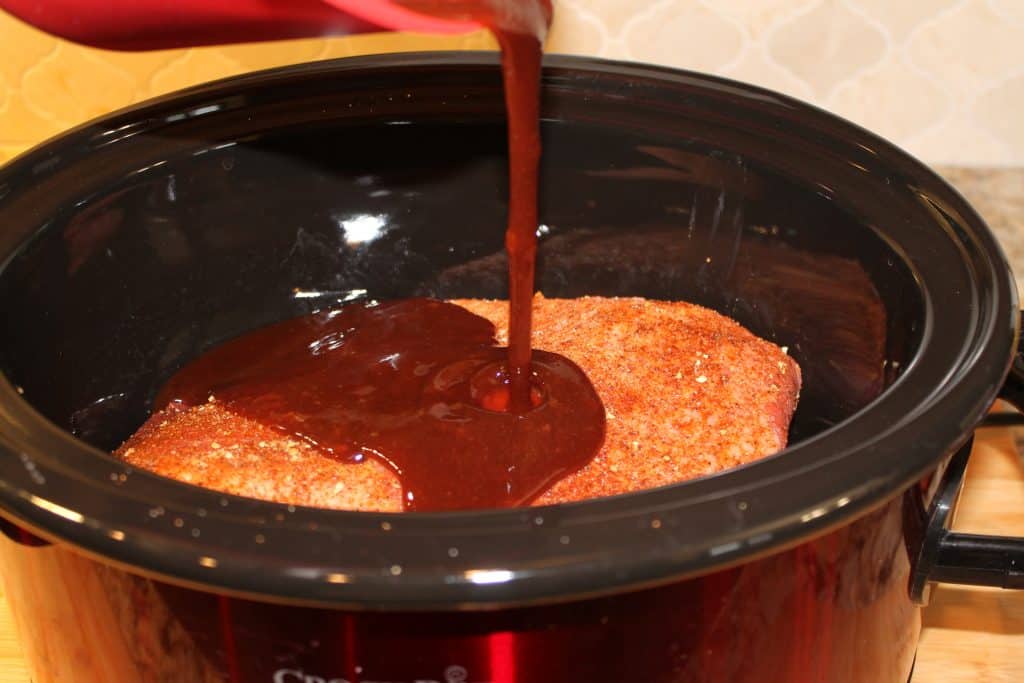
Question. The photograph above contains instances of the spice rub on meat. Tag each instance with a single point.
(688, 392)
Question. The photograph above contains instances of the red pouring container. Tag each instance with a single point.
(156, 24)
(135, 242)
(147, 25)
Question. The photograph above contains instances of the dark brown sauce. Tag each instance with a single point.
(417, 384)
(521, 59)
(420, 385)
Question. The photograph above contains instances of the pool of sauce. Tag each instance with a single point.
(417, 384)
(421, 385)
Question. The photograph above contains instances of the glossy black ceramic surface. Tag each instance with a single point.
(137, 241)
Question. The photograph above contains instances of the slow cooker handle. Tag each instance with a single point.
(951, 557)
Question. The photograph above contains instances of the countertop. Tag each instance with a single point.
(970, 634)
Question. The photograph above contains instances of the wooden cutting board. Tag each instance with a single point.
(977, 634)
(970, 634)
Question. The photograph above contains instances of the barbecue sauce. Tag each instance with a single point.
(421, 385)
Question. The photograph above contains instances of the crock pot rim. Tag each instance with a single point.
(410, 564)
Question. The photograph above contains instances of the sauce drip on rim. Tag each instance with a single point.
(420, 385)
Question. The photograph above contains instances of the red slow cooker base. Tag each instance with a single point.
(835, 609)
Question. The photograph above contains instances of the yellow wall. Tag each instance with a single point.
(48, 85)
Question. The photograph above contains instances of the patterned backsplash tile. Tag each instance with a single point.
(942, 78)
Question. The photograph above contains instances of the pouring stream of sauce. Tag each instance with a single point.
(421, 385)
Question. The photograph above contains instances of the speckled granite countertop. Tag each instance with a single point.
(998, 195)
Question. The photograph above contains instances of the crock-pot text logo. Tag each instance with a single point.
(452, 674)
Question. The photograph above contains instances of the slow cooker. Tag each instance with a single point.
(133, 243)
